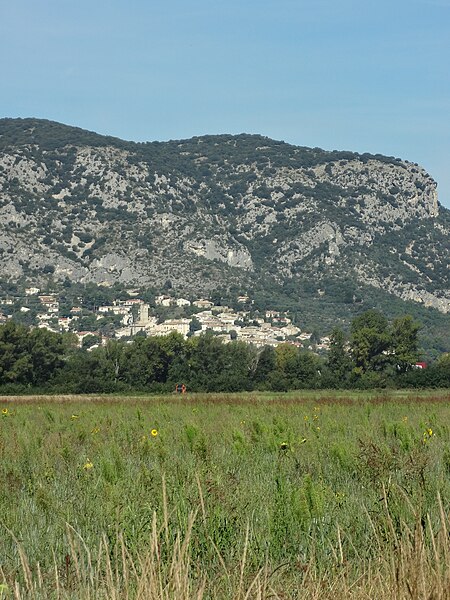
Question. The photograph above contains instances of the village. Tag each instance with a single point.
(133, 316)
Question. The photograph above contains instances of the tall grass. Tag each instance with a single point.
(244, 499)
(414, 565)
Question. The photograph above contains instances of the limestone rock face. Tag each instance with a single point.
(216, 211)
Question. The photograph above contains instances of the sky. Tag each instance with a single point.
(367, 76)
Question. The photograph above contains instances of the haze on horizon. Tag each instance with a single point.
(348, 75)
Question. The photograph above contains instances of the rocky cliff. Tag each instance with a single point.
(216, 211)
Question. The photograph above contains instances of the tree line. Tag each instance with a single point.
(374, 354)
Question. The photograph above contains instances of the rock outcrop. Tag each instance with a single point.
(214, 211)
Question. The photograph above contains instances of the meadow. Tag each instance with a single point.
(299, 495)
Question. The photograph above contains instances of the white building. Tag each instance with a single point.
(63, 323)
(304, 336)
(115, 309)
(290, 330)
(163, 301)
(272, 314)
(215, 324)
(123, 332)
(172, 325)
(204, 314)
(48, 327)
(228, 317)
(32, 291)
(131, 302)
(203, 304)
(182, 302)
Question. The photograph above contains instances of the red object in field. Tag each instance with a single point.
(420, 365)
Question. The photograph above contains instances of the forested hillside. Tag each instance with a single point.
(326, 234)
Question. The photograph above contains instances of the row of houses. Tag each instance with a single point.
(224, 322)
(136, 317)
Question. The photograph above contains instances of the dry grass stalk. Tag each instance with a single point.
(417, 568)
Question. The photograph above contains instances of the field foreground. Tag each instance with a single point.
(307, 495)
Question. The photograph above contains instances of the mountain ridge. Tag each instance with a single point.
(218, 211)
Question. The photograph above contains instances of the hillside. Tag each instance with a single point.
(320, 232)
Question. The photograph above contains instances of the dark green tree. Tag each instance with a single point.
(339, 362)
(370, 342)
(147, 360)
(114, 359)
(48, 351)
(265, 365)
(405, 343)
(194, 325)
(31, 357)
(15, 358)
(90, 340)
(308, 370)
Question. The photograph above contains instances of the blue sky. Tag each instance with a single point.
(339, 74)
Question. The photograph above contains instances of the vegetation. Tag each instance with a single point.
(50, 136)
(212, 497)
(377, 355)
(75, 200)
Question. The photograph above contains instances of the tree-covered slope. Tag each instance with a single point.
(220, 211)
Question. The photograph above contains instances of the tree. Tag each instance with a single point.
(338, 361)
(212, 366)
(15, 358)
(82, 373)
(441, 371)
(308, 370)
(265, 365)
(48, 351)
(90, 340)
(114, 358)
(370, 341)
(147, 360)
(286, 355)
(194, 325)
(31, 357)
(294, 369)
(405, 344)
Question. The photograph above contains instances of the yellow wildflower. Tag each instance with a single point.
(88, 465)
(154, 432)
(5, 412)
(427, 434)
(73, 417)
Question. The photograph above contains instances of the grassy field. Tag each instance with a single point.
(299, 495)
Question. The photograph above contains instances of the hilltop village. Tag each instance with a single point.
(164, 314)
